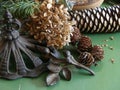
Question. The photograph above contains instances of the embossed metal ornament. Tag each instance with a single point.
(16, 59)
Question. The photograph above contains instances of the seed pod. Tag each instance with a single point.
(86, 59)
(52, 79)
(84, 44)
(97, 52)
(66, 74)
(54, 67)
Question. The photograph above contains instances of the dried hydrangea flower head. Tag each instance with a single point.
(51, 24)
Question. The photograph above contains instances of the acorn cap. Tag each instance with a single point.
(97, 52)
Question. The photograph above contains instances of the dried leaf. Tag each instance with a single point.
(54, 67)
(66, 74)
(52, 79)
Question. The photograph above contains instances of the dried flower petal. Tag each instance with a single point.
(49, 6)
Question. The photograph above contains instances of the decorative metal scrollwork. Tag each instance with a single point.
(16, 59)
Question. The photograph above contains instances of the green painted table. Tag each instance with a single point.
(107, 73)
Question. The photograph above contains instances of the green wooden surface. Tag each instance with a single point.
(107, 74)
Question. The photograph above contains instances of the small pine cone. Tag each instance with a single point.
(86, 59)
(84, 44)
(97, 52)
(76, 35)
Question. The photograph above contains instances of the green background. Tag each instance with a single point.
(107, 73)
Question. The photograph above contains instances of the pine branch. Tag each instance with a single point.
(21, 8)
(113, 2)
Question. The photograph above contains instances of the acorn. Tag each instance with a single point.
(76, 35)
(86, 59)
(84, 44)
(97, 52)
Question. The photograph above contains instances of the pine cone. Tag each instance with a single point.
(97, 20)
(97, 52)
(86, 59)
(84, 44)
(76, 35)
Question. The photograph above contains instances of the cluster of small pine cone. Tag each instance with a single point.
(88, 54)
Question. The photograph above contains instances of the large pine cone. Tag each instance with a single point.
(86, 59)
(97, 52)
(105, 19)
(76, 35)
(85, 44)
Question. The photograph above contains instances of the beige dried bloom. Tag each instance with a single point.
(51, 24)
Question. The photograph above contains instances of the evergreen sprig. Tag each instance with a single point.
(21, 8)
(113, 2)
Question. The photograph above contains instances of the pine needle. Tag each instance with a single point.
(113, 2)
(21, 8)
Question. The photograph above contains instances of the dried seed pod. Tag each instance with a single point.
(86, 59)
(111, 38)
(97, 52)
(112, 60)
(76, 35)
(111, 48)
(54, 67)
(52, 79)
(66, 74)
(84, 44)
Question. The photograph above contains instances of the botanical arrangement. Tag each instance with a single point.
(37, 40)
